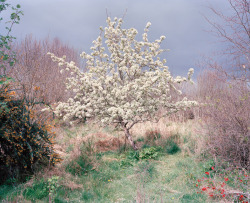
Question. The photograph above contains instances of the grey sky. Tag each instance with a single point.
(77, 23)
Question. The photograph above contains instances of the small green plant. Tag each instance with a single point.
(148, 153)
(130, 158)
(126, 163)
(133, 155)
(171, 147)
(140, 139)
(53, 186)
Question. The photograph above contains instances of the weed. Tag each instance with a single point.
(148, 153)
(133, 155)
(52, 186)
(171, 146)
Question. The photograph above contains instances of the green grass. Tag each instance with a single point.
(122, 176)
(170, 178)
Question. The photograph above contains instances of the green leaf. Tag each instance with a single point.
(11, 63)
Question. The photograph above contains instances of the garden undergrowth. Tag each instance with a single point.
(165, 169)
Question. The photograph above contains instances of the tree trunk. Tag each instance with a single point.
(129, 137)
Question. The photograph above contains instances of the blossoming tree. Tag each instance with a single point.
(124, 86)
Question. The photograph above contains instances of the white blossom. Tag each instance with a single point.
(127, 85)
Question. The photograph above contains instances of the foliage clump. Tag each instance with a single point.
(25, 143)
(148, 153)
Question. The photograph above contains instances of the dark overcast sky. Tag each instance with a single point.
(77, 23)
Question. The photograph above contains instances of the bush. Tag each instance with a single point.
(227, 115)
(25, 143)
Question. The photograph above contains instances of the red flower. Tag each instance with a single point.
(223, 195)
(211, 195)
(241, 197)
(204, 189)
(199, 180)
(196, 185)
(207, 173)
(226, 179)
(212, 168)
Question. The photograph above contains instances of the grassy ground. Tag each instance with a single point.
(98, 167)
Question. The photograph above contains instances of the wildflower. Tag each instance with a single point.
(226, 179)
(204, 189)
(207, 173)
(241, 197)
(36, 88)
(212, 168)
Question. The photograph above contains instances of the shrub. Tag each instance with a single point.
(25, 143)
(227, 120)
